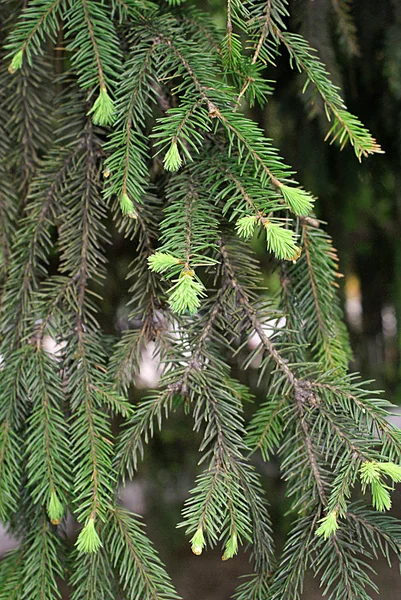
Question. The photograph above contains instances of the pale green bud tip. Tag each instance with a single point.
(88, 540)
(103, 109)
(328, 525)
(16, 62)
(198, 542)
(298, 200)
(245, 226)
(231, 548)
(161, 261)
(185, 294)
(127, 206)
(172, 161)
(55, 509)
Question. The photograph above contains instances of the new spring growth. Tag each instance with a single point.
(185, 294)
(16, 62)
(172, 161)
(297, 199)
(127, 206)
(281, 241)
(88, 540)
(161, 261)
(245, 226)
(328, 525)
(55, 509)
(371, 473)
(103, 109)
(231, 548)
(198, 542)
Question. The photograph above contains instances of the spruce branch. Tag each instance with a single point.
(10, 574)
(346, 128)
(141, 572)
(317, 270)
(38, 21)
(96, 56)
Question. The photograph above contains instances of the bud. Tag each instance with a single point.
(198, 542)
(103, 109)
(172, 161)
(296, 254)
(55, 509)
(16, 62)
(127, 206)
(231, 548)
(88, 540)
(329, 525)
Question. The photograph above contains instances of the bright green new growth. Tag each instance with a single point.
(381, 498)
(281, 241)
(102, 110)
(55, 509)
(172, 161)
(160, 262)
(392, 470)
(88, 540)
(127, 206)
(231, 547)
(372, 473)
(328, 526)
(245, 226)
(186, 294)
(16, 62)
(198, 542)
(298, 200)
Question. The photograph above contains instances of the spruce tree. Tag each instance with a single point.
(130, 118)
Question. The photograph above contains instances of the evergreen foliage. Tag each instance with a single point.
(127, 117)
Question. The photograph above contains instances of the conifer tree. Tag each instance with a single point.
(130, 116)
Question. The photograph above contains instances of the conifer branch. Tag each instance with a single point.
(94, 43)
(264, 32)
(145, 577)
(35, 23)
(253, 318)
(10, 574)
(328, 334)
(346, 127)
